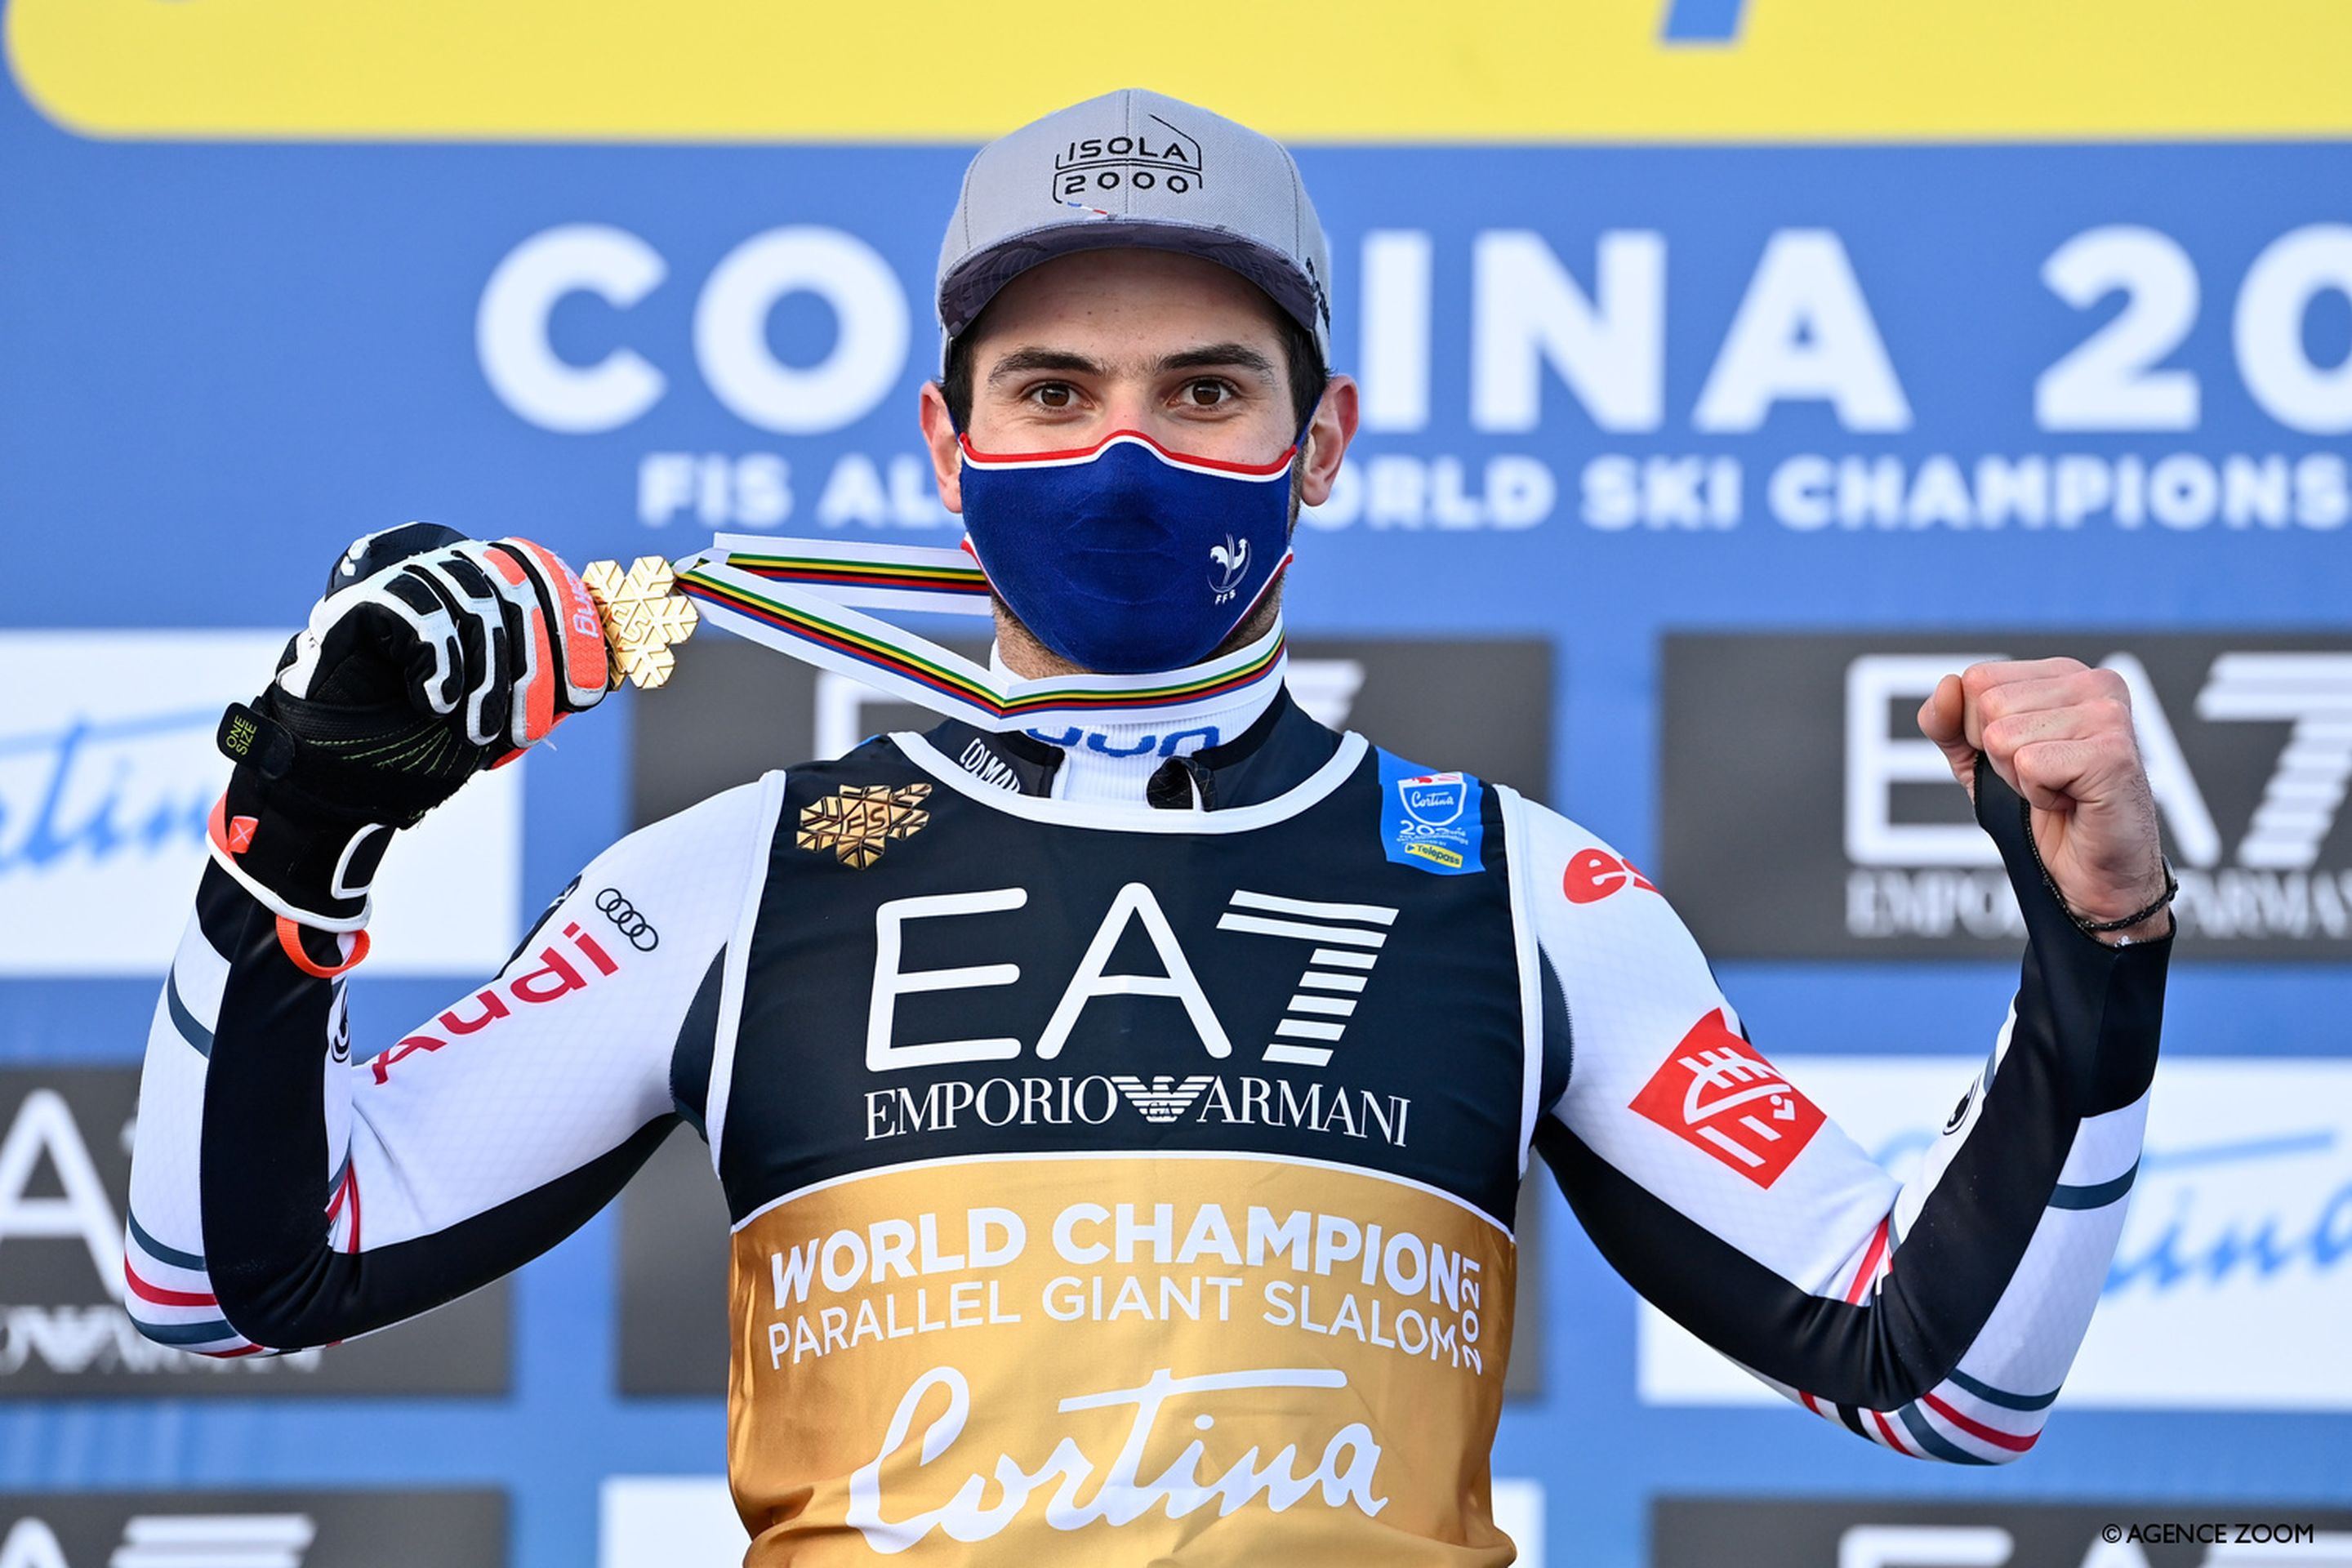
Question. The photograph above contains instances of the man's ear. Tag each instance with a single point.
(1327, 435)
(939, 436)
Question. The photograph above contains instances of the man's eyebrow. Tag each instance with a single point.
(1215, 356)
(1020, 362)
(1209, 356)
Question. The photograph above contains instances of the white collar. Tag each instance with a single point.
(1108, 758)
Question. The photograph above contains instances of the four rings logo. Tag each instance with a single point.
(1153, 160)
(631, 922)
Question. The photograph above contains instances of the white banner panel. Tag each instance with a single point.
(2231, 1285)
(108, 772)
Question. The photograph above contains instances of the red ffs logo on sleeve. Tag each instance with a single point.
(1716, 1092)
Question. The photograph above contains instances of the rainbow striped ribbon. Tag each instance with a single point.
(803, 597)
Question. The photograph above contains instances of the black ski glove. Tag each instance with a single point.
(431, 657)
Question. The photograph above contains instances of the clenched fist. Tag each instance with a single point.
(2059, 734)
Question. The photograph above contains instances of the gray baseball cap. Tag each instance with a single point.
(1135, 168)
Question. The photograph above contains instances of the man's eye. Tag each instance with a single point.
(1207, 394)
(1054, 395)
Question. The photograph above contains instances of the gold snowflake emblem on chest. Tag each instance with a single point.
(855, 822)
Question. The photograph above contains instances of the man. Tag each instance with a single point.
(1121, 1120)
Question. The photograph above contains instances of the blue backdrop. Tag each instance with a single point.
(217, 363)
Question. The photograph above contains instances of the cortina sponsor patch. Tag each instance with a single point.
(1718, 1093)
(1430, 820)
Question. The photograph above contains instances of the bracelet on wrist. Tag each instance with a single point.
(2100, 928)
(2171, 891)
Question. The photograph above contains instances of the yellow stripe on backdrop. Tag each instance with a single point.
(1406, 70)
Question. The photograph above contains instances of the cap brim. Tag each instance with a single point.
(974, 280)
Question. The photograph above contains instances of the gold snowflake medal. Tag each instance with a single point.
(644, 616)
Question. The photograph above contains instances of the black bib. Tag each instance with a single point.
(936, 972)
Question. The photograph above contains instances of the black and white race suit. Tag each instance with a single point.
(1121, 1182)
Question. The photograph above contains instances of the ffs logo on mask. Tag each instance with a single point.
(1228, 564)
(1127, 558)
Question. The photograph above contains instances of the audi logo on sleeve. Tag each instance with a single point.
(628, 920)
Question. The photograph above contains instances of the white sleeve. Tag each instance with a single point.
(284, 1195)
(1937, 1318)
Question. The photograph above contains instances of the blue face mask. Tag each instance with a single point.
(1127, 558)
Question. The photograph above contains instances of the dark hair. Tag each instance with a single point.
(1308, 373)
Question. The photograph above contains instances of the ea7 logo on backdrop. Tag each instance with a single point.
(1344, 941)
(175, 1540)
(65, 1182)
(307, 1528)
(1851, 820)
(1716, 1092)
(2262, 880)
(1158, 158)
(74, 1329)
